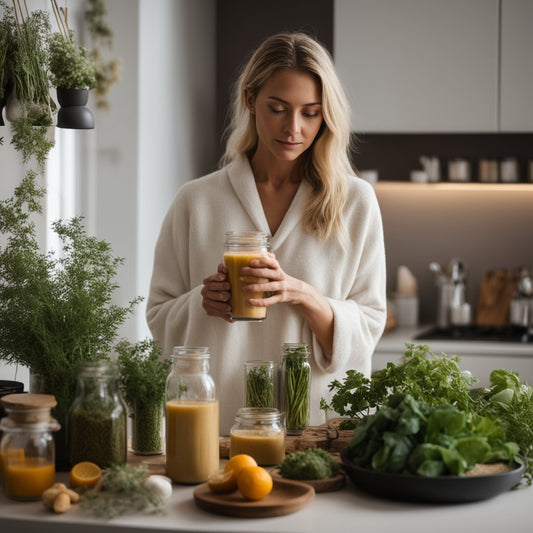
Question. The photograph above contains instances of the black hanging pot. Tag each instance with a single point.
(3, 101)
(73, 114)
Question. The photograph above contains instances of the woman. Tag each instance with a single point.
(287, 173)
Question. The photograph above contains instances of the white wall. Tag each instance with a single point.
(158, 133)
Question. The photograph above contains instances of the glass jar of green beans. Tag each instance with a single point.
(260, 384)
(295, 388)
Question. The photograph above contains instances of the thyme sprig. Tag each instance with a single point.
(123, 490)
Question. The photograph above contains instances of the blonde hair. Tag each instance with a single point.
(326, 164)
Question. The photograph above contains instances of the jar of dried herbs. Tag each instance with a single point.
(260, 384)
(97, 418)
(295, 387)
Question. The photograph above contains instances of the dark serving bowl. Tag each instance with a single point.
(438, 489)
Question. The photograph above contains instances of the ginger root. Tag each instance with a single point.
(58, 497)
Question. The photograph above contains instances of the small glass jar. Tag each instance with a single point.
(295, 388)
(240, 248)
(192, 417)
(147, 435)
(258, 432)
(260, 384)
(27, 451)
(97, 419)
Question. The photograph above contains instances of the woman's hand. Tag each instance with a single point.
(280, 287)
(216, 294)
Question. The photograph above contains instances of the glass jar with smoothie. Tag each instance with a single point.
(27, 450)
(192, 419)
(240, 248)
(258, 432)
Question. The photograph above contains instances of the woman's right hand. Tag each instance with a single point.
(216, 294)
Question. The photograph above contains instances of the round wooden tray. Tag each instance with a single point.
(320, 485)
(286, 497)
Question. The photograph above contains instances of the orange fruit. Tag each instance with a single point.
(237, 463)
(84, 474)
(222, 482)
(254, 482)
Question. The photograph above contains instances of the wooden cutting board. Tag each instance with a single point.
(286, 497)
(495, 294)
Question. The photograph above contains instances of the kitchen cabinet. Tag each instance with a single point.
(516, 105)
(435, 66)
(419, 65)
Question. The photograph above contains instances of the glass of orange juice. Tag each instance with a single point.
(240, 248)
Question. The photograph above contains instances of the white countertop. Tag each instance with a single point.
(347, 510)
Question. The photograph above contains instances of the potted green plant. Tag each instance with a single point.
(72, 73)
(55, 308)
(6, 51)
(143, 375)
(29, 107)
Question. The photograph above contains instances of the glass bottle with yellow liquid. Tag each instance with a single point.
(240, 248)
(27, 450)
(192, 417)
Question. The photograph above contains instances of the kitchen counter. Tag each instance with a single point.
(479, 357)
(347, 510)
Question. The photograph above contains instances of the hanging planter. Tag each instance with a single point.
(72, 73)
(72, 113)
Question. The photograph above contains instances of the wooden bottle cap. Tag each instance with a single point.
(29, 407)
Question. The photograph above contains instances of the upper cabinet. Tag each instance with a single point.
(516, 105)
(435, 66)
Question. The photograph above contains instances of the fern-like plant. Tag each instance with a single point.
(55, 308)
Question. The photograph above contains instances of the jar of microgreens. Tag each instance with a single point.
(97, 419)
(260, 384)
(295, 386)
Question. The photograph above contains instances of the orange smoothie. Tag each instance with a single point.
(192, 440)
(266, 447)
(240, 308)
(28, 479)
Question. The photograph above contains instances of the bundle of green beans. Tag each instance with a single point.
(259, 387)
(297, 382)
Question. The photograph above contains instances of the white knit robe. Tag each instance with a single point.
(191, 245)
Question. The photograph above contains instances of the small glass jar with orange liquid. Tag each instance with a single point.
(192, 417)
(240, 248)
(259, 432)
(27, 450)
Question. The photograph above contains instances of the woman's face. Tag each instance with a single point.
(288, 114)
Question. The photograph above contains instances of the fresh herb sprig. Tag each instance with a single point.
(123, 490)
(143, 375)
(55, 310)
(422, 374)
(259, 387)
(297, 382)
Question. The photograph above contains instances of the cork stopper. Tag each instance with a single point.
(29, 408)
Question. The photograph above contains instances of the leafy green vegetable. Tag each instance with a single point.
(410, 436)
(313, 463)
(509, 401)
(425, 376)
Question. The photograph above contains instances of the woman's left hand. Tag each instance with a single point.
(280, 287)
